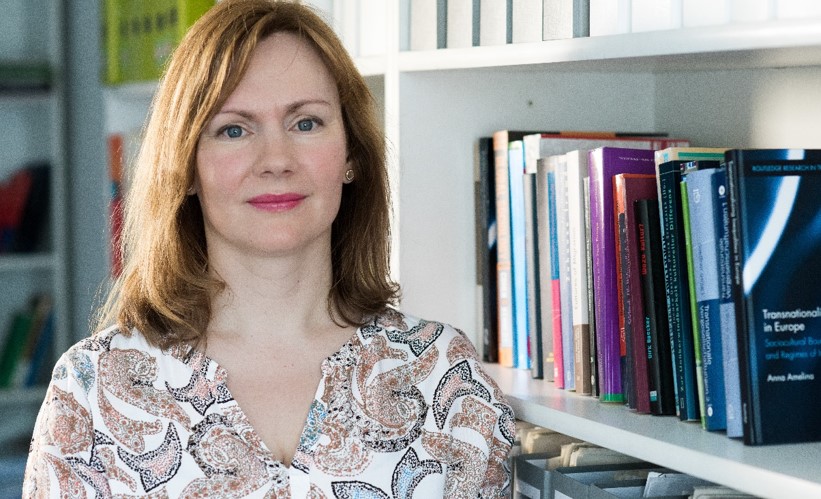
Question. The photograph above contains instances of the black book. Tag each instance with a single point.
(486, 258)
(775, 243)
(657, 333)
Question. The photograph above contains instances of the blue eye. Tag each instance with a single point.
(306, 125)
(233, 131)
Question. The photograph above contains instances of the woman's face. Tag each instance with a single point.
(271, 163)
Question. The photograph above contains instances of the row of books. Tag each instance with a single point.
(25, 359)
(548, 464)
(24, 207)
(678, 280)
(465, 23)
(140, 36)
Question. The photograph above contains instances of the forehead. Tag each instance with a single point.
(285, 66)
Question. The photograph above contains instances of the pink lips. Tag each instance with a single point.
(276, 202)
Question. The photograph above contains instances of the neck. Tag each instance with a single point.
(271, 299)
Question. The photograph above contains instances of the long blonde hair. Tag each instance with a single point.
(165, 290)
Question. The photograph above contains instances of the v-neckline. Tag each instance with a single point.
(220, 377)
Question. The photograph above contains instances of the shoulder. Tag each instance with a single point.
(395, 329)
(104, 351)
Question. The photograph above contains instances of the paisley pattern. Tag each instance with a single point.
(402, 410)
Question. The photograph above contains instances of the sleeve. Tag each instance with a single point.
(63, 439)
(479, 424)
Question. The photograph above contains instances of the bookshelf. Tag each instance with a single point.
(32, 128)
(754, 84)
(742, 85)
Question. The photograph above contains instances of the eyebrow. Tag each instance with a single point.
(293, 107)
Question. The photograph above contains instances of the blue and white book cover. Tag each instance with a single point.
(775, 198)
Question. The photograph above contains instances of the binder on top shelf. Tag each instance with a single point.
(565, 19)
(372, 33)
(495, 22)
(668, 172)
(609, 17)
(773, 209)
(654, 15)
(526, 21)
(425, 26)
(462, 23)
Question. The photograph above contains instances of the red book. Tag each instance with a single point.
(13, 196)
(627, 189)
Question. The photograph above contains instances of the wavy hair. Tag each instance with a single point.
(165, 289)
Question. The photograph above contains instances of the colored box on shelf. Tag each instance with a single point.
(140, 36)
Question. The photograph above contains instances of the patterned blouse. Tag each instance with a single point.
(403, 410)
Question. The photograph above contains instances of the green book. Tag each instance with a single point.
(691, 282)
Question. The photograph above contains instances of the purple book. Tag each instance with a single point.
(604, 164)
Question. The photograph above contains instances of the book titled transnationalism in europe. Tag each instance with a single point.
(775, 223)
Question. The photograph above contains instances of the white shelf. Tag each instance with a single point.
(744, 45)
(788, 471)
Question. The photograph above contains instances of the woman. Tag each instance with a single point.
(254, 352)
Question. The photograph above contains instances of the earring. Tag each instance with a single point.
(349, 176)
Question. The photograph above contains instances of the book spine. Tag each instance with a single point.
(591, 302)
(678, 299)
(698, 192)
(555, 283)
(732, 393)
(628, 372)
(532, 278)
(545, 278)
(521, 331)
(662, 395)
(576, 171)
(504, 277)
(749, 410)
(691, 283)
(565, 284)
(486, 247)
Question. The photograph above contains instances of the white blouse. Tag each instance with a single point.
(403, 410)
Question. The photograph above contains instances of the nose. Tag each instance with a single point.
(276, 154)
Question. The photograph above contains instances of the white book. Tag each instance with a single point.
(373, 21)
(462, 23)
(751, 10)
(494, 22)
(797, 9)
(654, 15)
(346, 24)
(705, 12)
(565, 19)
(526, 21)
(609, 17)
(423, 28)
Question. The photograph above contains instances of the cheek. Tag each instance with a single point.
(217, 173)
